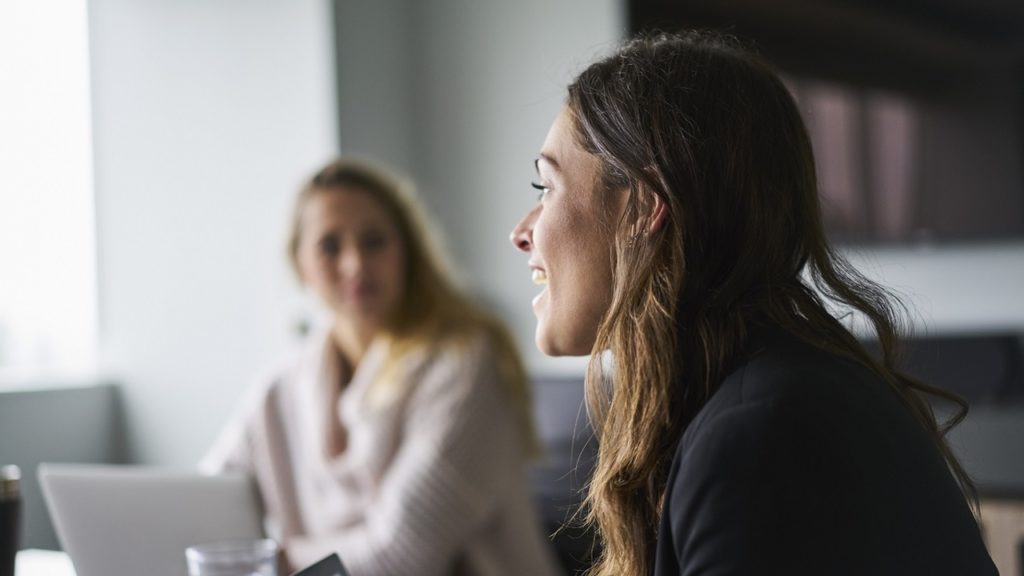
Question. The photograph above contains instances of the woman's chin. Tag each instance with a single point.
(552, 344)
(542, 338)
(545, 347)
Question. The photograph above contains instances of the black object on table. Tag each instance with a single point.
(10, 518)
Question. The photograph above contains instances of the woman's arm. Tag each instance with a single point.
(233, 448)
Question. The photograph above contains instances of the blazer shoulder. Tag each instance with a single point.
(810, 387)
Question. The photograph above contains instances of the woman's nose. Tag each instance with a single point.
(522, 235)
(350, 263)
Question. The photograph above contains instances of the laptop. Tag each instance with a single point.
(127, 520)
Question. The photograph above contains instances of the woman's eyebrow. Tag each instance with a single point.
(547, 159)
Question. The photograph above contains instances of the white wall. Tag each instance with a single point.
(375, 48)
(207, 116)
(964, 289)
(482, 82)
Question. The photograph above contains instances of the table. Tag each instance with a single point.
(33, 562)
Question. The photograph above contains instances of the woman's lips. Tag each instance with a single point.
(540, 277)
(361, 292)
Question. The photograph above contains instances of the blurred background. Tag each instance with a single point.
(150, 150)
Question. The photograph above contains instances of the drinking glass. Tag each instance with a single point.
(233, 558)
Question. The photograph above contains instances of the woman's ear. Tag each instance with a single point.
(658, 215)
(653, 215)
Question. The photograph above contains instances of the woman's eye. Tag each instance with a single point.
(543, 189)
(329, 246)
(374, 241)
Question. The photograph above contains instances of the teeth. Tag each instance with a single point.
(540, 277)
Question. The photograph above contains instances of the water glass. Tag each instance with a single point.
(233, 558)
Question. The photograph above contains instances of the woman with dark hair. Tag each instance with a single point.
(743, 429)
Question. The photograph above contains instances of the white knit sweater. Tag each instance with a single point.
(432, 482)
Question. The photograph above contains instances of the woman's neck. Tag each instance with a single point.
(352, 340)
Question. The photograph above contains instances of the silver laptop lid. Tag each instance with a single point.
(131, 520)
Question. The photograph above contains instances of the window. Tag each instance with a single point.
(48, 302)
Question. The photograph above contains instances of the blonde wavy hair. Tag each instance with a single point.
(433, 312)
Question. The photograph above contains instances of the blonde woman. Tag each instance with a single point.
(399, 436)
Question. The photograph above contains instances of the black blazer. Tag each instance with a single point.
(806, 463)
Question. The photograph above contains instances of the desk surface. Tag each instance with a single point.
(43, 562)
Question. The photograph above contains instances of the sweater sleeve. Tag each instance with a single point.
(232, 451)
(460, 444)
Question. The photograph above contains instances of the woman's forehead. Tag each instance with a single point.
(344, 203)
(562, 153)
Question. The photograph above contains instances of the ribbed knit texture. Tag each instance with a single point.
(432, 481)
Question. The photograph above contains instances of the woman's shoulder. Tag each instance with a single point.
(788, 387)
(813, 410)
(464, 356)
(809, 439)
(782, 369)
(279, 371)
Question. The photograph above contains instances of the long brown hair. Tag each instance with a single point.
(710, 129)
(433, 311)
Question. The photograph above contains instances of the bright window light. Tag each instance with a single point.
(48, 302)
